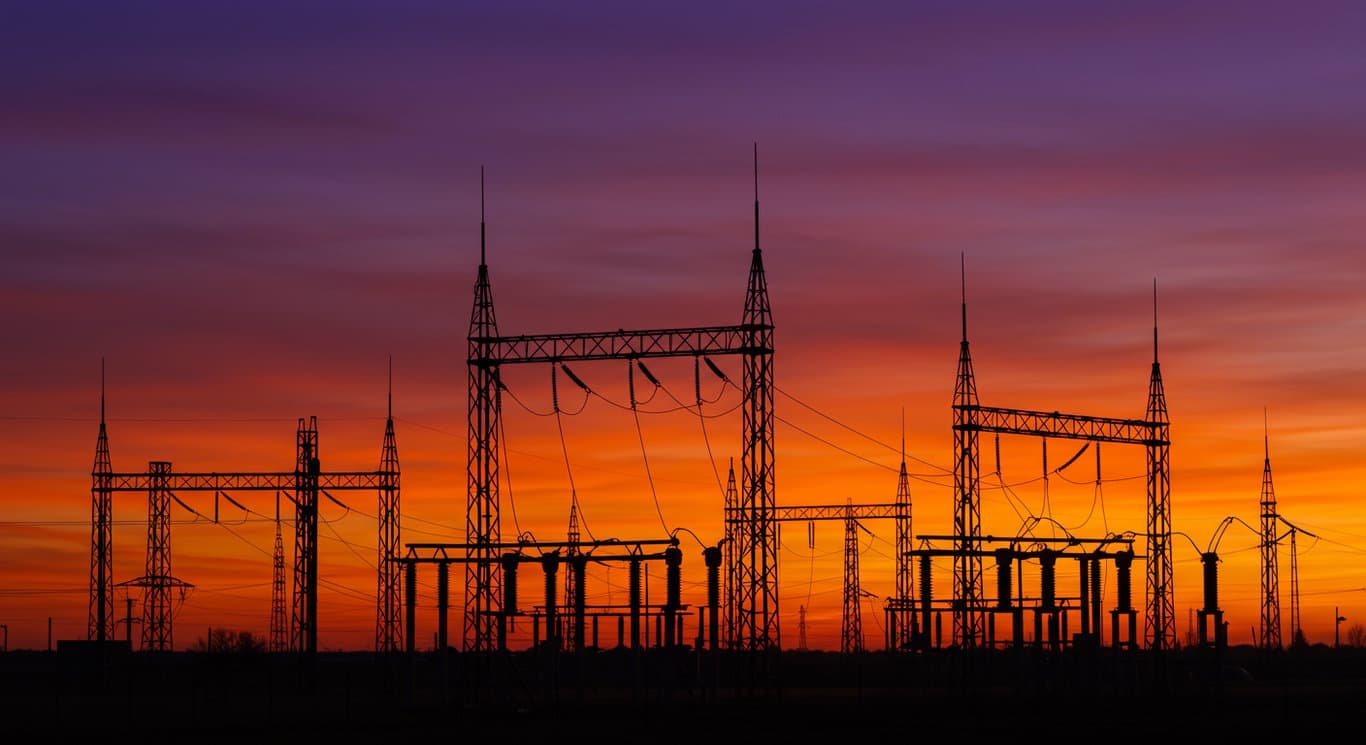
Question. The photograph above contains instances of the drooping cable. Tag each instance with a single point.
(640, 435)
(564, 447)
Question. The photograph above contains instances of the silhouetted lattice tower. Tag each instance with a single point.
(279, 621)
(1160, 623)
(1271, 591)
(904, 610)
(732, 530)
(483, 583)
(304, 622)
(388, 612)
(101, 618)
(156, 599)
(851, 628)
(570, 581)
(969, 622)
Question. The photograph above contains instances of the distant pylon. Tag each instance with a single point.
(801, 627)
(571, 550)
(388, 612)
(279, 622)
(100, 625)
(851, 628)
(1271, 592)
(903, 614)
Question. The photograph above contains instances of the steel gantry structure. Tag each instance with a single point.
(972, 419)
(851, 626)
(306, 482)
(754, 549)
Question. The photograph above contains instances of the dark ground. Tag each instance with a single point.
(660, 696)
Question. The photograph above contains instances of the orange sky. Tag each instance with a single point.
(246, 220)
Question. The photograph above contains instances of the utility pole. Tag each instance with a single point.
(1338, 618)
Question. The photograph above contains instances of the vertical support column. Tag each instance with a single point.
(410, 603)
(578, 565)
(279, 619)
(156, 598)
(100, 625)
(926, 598)
(757, 551)
(1270, 631)
(900, 620)
(388, 617)
(307, 467)
(1160, 623)
(443, 604)
(968, 622)
(634, 588)
(1084, 596)
(851, 626)
(482, 580)
(734, 529)
(1096, 599)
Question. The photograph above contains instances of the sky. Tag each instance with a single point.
(245, 210)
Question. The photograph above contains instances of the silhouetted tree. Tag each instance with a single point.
(1356, 635)
(228, 641)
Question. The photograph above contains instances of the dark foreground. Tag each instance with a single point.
(677, 696)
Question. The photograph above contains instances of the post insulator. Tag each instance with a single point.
(1003, 560)
(1211, 566)
(1123, 575)
(926, 585)
(1048, 561)
(673, 560)
(711, 556)
(509, 562)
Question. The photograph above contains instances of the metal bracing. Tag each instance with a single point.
(156, 599)
(279, 621)
(1152, 432)
(754, 550)
(1270, 636)
(100, 626)
(851, 623)
(389, 593)
(903, 603)
(303, 623)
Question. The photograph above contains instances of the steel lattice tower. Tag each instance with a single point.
(100, 626)
(1296, 632)
(1271, 591)
(304, 622)
(757, 554)
(570, 579)
(156, 599)
(732, 532)
(388, 613)
(279, 622)
(851, 627)
(1160, 623)
(969, 622)
(904, 609)
(483, 584)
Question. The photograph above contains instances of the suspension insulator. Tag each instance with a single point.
(1048, 561)
(1003, 559)
(509, 562)
(1123, 563)
(1211, 566)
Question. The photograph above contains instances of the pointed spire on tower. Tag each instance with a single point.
(963, 291)
(101, 393)
(391, 388)
(757, 311)
(482, 259)
(1154, 320)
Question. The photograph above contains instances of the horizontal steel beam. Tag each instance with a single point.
(1064, 426)
(830, 512)
(282, 481)
(616, 345)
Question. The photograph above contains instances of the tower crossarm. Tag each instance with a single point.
(832, 512)
(613, 345)
(336, 480)
(1063, 426)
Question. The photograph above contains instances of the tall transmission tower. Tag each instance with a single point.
(100, 625)
(755, 552)
(570, 579)
(851, 629)
(279, 621)
(304, 621)
(156, 600)
(969, 621)
(388, 612)
(903, 611)
(1271, 592)
(1160, 623)
(483, 583)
